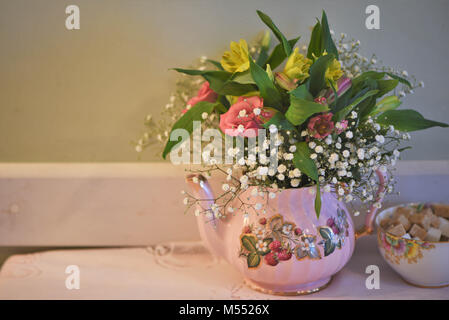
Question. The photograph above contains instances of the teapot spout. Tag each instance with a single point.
(202, 191)
(213, 232)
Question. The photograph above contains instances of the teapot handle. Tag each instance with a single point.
(367, 229)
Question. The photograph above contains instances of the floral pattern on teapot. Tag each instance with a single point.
(274, 240)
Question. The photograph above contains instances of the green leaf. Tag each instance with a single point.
(249, 242)
(318, 200)
(215, 63)
(328, 43)
(265, 46)
(387, 103)
(340, 115)
(243, 77)
(186, 121)
(315, 44)
(367, 75)
(300, 110)
(317, 81)
(221, 82)
(268, 91)
(327, 234)
(329, 247)
(253, 260)
(302, 92)
(278, 56)
(400, 79)
(280, 122)
(267, 20)
(302, 161)
(386, 86)
(407, 120)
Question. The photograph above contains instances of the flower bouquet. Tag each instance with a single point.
(292, 130)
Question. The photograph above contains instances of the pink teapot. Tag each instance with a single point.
(287, 250)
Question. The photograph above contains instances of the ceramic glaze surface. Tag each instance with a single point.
(319, 247)
(422, 263)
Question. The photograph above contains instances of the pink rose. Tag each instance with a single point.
(321, 126)
(244, 117)
(204, 94)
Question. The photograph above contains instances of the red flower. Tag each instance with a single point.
(245, 117)
(263, 221)
(204, 94)
(247, 229)
(321, 100)
(321, 126)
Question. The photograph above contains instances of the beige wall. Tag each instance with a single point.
(82, 95)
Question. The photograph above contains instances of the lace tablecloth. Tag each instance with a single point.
(180, 271)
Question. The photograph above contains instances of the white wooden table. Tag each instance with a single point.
(180, 271)
(134, 205)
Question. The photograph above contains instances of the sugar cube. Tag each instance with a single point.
(433, 234)
(404, 221)
(417, 231)
(441, 210)
(444, 227)
(397, 230)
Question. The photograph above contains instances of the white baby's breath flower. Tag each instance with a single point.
(256, 111)
(313, 156)
(282, 168)
(380, 139)
(319, 149)
(294, 182)
(312, 145)
(296, 172)
(341, 191)
(349, 134)
(396, 153)
(263, 171)
(333, 158)
(280, 176)
(346, 153)
(361, 154)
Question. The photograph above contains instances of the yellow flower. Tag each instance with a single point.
(297, 66)
(333, 72)
(236, 60)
